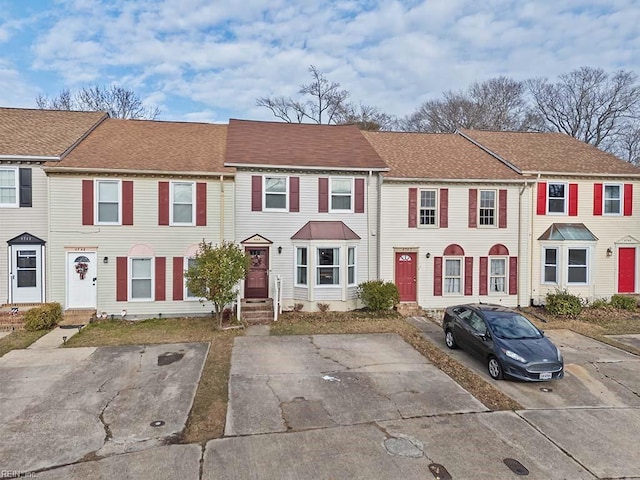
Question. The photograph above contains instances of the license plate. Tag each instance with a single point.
(546, 376)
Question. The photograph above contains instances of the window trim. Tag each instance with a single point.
(185, 290)
(494, 218)
(287, 191)
(318, 266)
(172, 222)
(16, 186)
(545, 264)
(505, 284)
(585, 266)
(96, 190)
(436, 216)
(445, 276)
(296, 266)
(353, 265)
(565, 198)
(130, 279)
(620, 199)
(351, 196)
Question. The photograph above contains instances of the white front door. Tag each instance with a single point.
(26, 274)
(81, 279)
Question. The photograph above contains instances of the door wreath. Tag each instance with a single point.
(81, 269)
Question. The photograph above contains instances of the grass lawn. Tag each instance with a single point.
(19, 339)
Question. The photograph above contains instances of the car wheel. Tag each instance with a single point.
(495, 369)
(449, 340)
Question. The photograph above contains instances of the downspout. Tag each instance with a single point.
(378, 228)
(531, 213)
(221, 208)
(369, 233)
(522, 190)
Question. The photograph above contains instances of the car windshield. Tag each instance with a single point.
(511, 326)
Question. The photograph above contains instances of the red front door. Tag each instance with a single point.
(256, 285)
(626, 270)
(406, 275)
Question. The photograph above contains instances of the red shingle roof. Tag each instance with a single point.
(299, 145)
(327, 230)
(147, 145)
(43, 133)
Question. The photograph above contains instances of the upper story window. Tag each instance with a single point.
(8, 187)
(428, 207)
(341, 194)
(275, 193)
(487, 212)
(182, 203)
(612, 199)
(557, 198)
(108, 201)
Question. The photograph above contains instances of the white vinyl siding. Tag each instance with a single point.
(108, 201)
(8, 187)
(183, 203)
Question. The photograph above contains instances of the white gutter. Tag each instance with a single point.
(221, 208)
(111, 171)
(29, 158)
(453, 180)
(574, 174)
(302, 167)
(369, 233)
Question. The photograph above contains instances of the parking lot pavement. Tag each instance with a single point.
(596, 374)
(632, 340)
(60, 406)
(280, 384)
(471, 445)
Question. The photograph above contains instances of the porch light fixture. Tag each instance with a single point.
(123, 313)
(609, 252)
(279, 250)
(105, 260)
(428, 255)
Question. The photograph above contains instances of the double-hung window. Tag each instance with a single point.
(452, 275)
(612, 199)
(141, 279)
(550, 265)
(182, 203)
(577, 265)
(427, 207)
(108, 201)
(275, 193)
(188, 294)
(498, 275)
(351, 265)
(341, 194)
(8, 187)
(557, 198)
(328, 266)
(302, 265)
(487, 207)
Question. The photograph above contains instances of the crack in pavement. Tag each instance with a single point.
(108, 435)
(626, 387)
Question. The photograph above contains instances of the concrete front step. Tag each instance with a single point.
(408, 309)
(258, 311)
(77, 317)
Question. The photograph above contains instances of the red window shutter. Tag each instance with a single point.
(121, 279)
(502, 209)
(542, 198)
(256, 194)
(178, 278)
(294, 194)
(163, 203)
(323, 195)
(628, 199)
(87, 202)
(473, 208)
(573, 199)
(597, 199)
(201, 204)
(513, 275)
(127, 202)
(413, 207)
(482, 278)
(359, 203)
(468, 275)
(161, 278)
(437, 276)
(444, 207)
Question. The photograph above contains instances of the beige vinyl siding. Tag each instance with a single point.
(14, 221)
(397, 236)
(611, 231)
(112, 241)
(279, 227)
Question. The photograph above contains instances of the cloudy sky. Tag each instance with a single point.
(208, 60)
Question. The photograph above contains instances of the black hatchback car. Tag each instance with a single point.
(509, 343)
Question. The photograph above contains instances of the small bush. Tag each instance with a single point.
(297, 307)
(378, 295)
(563, 303)
(599, 303)
(42, 318)
(624, 302)
(323, 307)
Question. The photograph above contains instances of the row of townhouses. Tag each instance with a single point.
(106, 214)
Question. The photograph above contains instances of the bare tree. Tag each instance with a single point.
(495, 104)
(587, 103)
(323, 101)
(117, 101)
